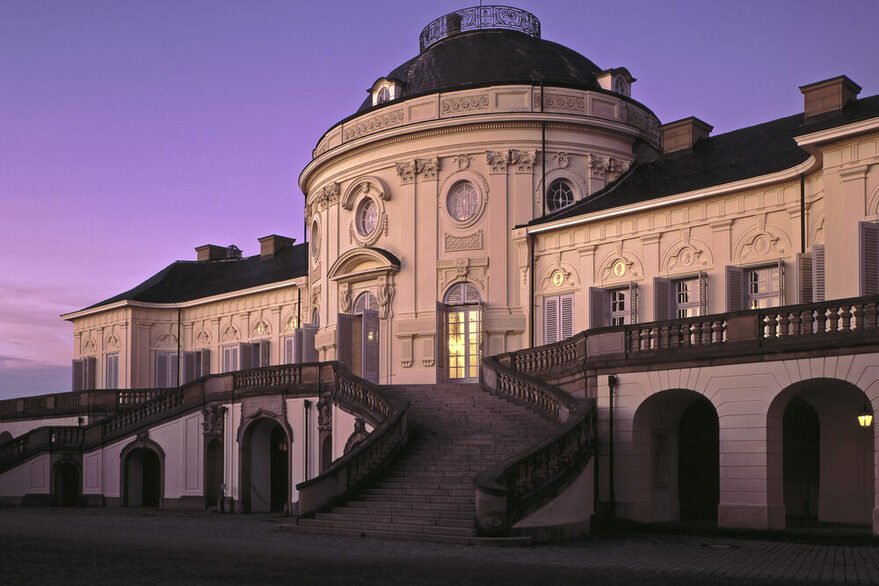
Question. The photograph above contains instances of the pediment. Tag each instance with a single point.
(363, 263)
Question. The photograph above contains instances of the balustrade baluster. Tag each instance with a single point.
(846, 318)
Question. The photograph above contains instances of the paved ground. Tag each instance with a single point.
(113, 546)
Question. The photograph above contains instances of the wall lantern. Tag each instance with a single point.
(865, 417)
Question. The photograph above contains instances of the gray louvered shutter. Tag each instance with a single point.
(442, 336)
(481, 322)
(111, 380)
(190, 366)
(166, 370)
(599, 307)
(703, 293)
(289, 347)
(818, 289)
(344, 334)
(663, 299)
(550, 320)
(869, 241)
(306, 342)
(91, 370)
(782, 286)
(566, 316)
(370, 345)
(245, 356)
(264, 349)
(78, 383)
(633, 302)
(735, 288)
(205, 360)
(805, 282)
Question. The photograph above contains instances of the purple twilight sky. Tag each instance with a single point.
(133, 131)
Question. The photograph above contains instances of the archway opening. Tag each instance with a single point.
(676, 474)
(820, 466)
(67, 484)
(266, 468)
(213, 474)
(463, 322)
(143, 478)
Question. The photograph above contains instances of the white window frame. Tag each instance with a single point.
(686, 301)
(620, 306)
(762, 287)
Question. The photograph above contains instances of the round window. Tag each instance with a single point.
(367, 216)
(559, 195)
(315, 239)
(462, 201)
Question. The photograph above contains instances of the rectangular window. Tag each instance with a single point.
(230, 358)
(558, 318)
(166, 370)
(619, 307)
(762, 287)
(111, 371)
(686, 292)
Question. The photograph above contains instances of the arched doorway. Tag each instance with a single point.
(265, 467)
(676, 474)
(67, 484)
(142, 477)
(213, 473)
(819, 459)
(463, 332)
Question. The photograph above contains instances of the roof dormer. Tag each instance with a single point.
(617, 80)
(385, 89)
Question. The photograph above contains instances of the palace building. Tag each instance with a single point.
(523, 302)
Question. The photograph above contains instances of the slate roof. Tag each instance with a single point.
(740, 154)
(490, 57)
(185, 280)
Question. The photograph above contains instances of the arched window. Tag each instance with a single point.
(559, 195)
(365, 300)
(462, 294)
(384, 95)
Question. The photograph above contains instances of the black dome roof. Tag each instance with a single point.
(491, 57)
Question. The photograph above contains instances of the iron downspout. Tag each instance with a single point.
(802, 213)
(611, 384)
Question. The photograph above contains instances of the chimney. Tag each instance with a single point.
(210, 252)
(828, 95)
(270, 245)
(683, 134)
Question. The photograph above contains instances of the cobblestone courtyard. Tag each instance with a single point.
(102, 546)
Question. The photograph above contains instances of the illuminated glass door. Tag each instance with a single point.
(463, 332)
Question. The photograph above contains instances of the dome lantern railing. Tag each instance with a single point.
(479, 17)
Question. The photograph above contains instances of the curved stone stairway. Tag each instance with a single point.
(457, 431)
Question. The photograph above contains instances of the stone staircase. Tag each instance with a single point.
(457, 431)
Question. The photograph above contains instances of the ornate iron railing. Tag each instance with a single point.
(347, 473)
(479, 17)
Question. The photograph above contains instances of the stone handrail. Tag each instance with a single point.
(347, 473)
(267, 377)
(511, 490)
(162, 405)
(39, 440)
(568, 353)
(90, 402)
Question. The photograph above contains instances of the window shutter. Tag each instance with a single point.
(370, 345)
(782, 292)
(289, 343)
(703, 293)
(264, 353)
(78, 376)
(804, 277)
(163, 366)
(869, 242)
(442, 337)
(550, 320)
(599, 307)
(227, 359)
(481, 330)
(455, 295)
(190, 366)
(735, 288)
(306, 351)
(205, 359)
(566, 316)
(818, 293)
(344, 332)
(633, 302)
(663, 299)
(245, 356)
(91, 369)
(112, 371)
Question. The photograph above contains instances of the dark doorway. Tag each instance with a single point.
(143, 478)
(213, 474)
(801, 455)
(698, 462)
(279, 458)
(67, 484)
(265, 467)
